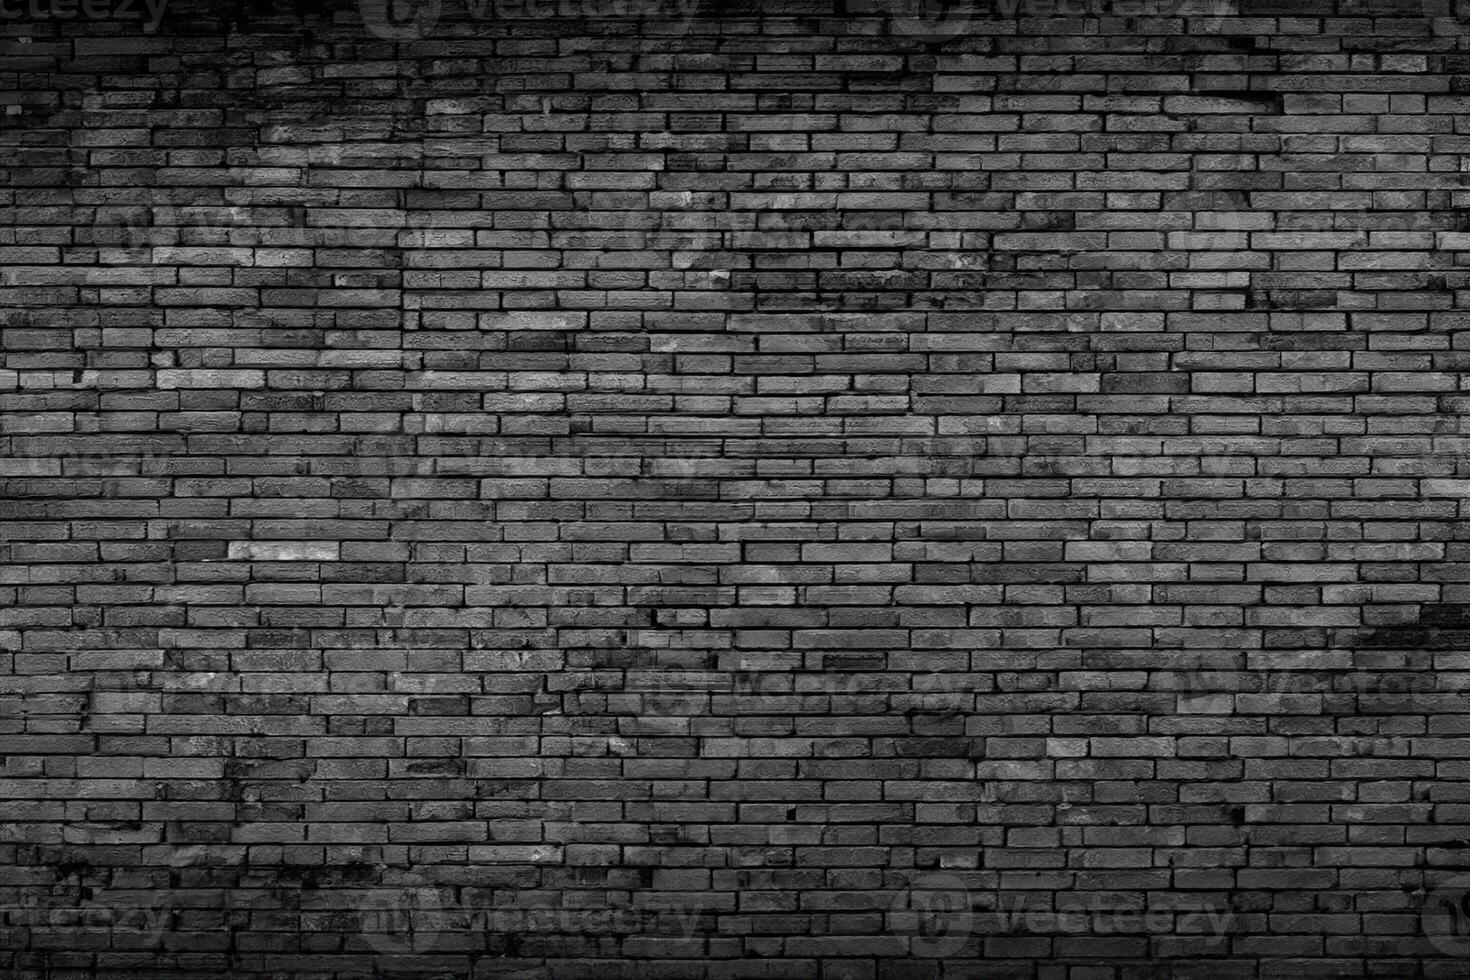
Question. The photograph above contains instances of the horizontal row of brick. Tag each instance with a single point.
(780, 490)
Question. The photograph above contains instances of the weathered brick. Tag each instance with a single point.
(876, 489)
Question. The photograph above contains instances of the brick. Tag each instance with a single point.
(781, 490)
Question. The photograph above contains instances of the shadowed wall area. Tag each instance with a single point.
(662, 489)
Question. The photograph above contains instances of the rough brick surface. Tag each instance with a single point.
(769, 491)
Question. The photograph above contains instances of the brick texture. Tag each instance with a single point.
(636, 488)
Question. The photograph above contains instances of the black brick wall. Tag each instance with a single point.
(761, 491)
